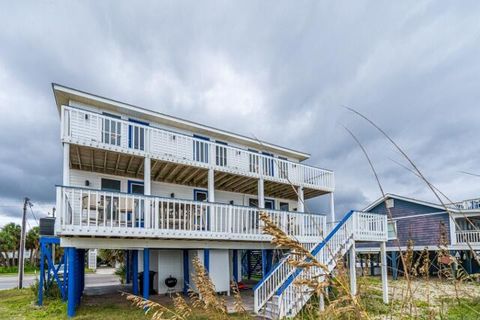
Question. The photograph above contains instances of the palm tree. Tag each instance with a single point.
(32, 243)
(10, 240)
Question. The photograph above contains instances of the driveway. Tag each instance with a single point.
(102, 278)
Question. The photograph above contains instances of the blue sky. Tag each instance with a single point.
(277, 70)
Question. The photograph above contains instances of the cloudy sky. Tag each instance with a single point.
(277, 70)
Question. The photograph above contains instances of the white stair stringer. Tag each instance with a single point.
(277, 296)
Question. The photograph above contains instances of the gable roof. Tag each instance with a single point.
(64, 94)
(396, 196)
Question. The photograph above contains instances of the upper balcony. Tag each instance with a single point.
(179, 158)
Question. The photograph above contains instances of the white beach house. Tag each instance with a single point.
(166, 189)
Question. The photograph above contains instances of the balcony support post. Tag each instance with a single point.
(332, 207)
(186, 272)
(211, 185)
(135, 272)
(383, 253)
(147, 190)
(66, 164)
(146, 273)
(261, 194)
(300, 205)
(235, 265)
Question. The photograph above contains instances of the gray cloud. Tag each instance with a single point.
(279, 71)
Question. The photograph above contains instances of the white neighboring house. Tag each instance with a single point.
(139, 180)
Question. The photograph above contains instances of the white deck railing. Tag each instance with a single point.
(470, 204)
(360, 226)
(92, 129)
(468, 236)
(101, 213)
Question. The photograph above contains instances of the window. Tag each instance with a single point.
(136, 135)
(111, 130)
(110, 185)
(200, 195)
(135, 187)
(200, 149)
(284, 206)
(269, 204)
(390, 203)
(392, 230)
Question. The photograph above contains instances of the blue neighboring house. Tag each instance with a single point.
(423, 223)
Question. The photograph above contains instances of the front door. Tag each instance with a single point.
(136, 208)
(202, 216)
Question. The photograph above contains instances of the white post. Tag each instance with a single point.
(353, 273)
(300, 205)
(147, 179)
(383, 254)
(66, 164)
(261, 194)
(321, 303)
(332, 208)
(147, 190)
(211, 185)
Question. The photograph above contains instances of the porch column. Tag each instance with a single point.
(211, 185)
(332, 208)
(146, 273)
(264, 263)
(72, 277)
(135, 272)
(353, 273)
(261, 194)
(186, 272)
(300, 205)
(383, 253)
(235, 265)
(147, 179)
(394, 265)
(147, 190)
(127, 266)
(66, 164)
(206, 259)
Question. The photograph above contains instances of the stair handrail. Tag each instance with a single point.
(285, 291)
(271, 283)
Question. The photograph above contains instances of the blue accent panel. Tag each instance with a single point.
(186, 272)
(315, 251)
(135, 272)
(235, 265)
(146, 273)
(206, 259)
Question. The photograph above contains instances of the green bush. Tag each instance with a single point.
(51, 291)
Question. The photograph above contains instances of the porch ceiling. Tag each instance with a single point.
(114, 163)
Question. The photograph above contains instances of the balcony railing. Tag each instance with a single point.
(93, 129)
(468, 236)
(470, 204)
(113, 214)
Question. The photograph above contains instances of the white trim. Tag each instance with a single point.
(417, 248)
(419, 215)
(394, 196)
(110, 243)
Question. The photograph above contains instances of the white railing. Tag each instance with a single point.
(468, 236)
(470, 204)
(101, 213)
(92, 129)
(355, 226)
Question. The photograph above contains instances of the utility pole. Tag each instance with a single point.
(21, 260)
